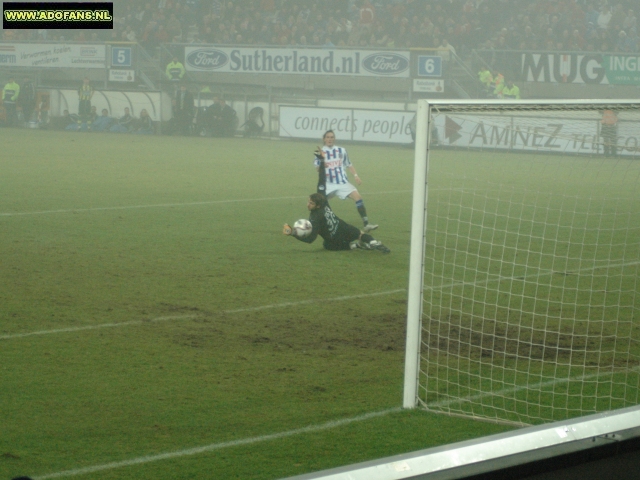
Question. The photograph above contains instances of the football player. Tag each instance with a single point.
(337, 184)
(336, 233)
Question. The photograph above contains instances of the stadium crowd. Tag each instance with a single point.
(459, 25)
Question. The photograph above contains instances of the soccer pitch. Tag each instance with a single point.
(155, 322)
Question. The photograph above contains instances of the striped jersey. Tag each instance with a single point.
(336, 162)
(85, 92)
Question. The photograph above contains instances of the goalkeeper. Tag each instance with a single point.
(336, 233)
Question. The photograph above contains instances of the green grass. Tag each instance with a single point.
(532, 304)
(227, 331)
(150, 305)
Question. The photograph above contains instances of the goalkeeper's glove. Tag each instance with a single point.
(287, 230)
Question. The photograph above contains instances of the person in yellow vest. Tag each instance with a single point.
(10, 94)
(498, 84)
(511, 91)
(175, 70)
(609, 132)
(485, 77)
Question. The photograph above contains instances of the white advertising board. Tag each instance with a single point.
(297, 61)
(52, 56)
(428, 85)
(121, 75)
(520, 133)
(348, 124)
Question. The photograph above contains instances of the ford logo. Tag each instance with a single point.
(384, 63)
(207, 59)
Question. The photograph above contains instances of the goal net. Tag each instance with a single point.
(525, 254)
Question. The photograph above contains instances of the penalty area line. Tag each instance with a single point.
(171, 205)
(188, 317)
(218, 446)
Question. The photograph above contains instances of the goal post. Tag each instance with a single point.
(523, 302)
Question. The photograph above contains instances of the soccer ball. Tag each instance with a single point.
(302, 227)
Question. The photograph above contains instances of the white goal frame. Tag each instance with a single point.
(419, 220)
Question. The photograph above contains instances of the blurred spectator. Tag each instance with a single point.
(485, 78)
(467, 24)
(625, 43)
(183, 110)
(224, 119)
(93, 115)
(446, 50)
(85, 94)
(175, 70)
(27, 99)
(367, 15)
(10, 95)
(255, 122)
(498, 84)
(604, 18)
(608, 132)
(144, 124)
(576, 42)
(174, 28)
(617, 17)
(124, 123)
(61, 123)
(630, 22)
(104, 122)
(511, 91)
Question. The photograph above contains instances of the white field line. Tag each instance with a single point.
(298, 431)
(218, 446)
(536, 386)
(187, 317)
(541, 273)
(276, 436)
(171, 205)
(293, 304)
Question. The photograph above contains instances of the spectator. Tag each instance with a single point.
(10, 95)
(486, 79)
(174, 28)
(27, 99)
(224, 119)
(61, 123)
(511, 91)
(446, 49)
(183, 110)
(124, 123)
(576, 42)
(609, 132)
(498, 84)
(104, 122)
(625, 44)
(175, 70)
(85, 94)
(255, 122)
(144, 124)
(367, 15)
(617, 18)
(604, 18)
(630, 22)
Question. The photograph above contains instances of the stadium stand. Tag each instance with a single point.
(519, 24)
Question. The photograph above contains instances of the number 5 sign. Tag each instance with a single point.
(121, 56)
(429, 66)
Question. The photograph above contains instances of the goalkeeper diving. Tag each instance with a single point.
(336, 233)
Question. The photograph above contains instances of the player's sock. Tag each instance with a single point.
(362, 211)
(366, 238)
